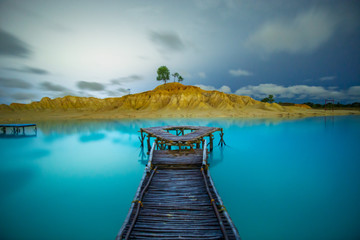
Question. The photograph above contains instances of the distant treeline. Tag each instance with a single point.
(328, 105)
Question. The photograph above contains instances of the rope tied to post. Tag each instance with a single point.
(222, 208)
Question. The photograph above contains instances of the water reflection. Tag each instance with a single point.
(329, 121)
(12, 180)
(37, 153)
(143, 157)
(131, 126)
(92, 137)
(217, 156)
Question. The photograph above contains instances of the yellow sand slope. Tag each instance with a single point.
(167, 100)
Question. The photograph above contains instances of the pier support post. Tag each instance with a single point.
(211, 142)
(148, 143)
(222, 142)
(141, 138)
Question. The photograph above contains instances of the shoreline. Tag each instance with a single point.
(39, 116)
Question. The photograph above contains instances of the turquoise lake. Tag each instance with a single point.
(279, 178)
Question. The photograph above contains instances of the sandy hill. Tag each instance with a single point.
(167, 100)
(170, 96)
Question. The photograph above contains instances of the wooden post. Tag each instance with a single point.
(211, 142)
(148, 142)
(142, 138)
(222, 142)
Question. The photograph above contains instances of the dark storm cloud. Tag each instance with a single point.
(12, 46)
(167, 40)
(14, 83)
(32, 70)
(36, 16)
(93, 86)
(53, 87)
(23, 96)
(130, 78)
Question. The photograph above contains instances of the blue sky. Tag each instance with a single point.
(296, 50)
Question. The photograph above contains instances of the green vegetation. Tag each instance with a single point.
(337, 106)
(175, 75)
(163, 74)
(354, 105)
(269, 99)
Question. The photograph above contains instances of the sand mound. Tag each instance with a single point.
(167, 100)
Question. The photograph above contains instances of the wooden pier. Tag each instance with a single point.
(176, 198)
(18, 130)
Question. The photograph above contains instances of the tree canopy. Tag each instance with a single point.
(269, 99)
(175, 75)
(163, 74)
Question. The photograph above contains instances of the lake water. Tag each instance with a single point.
(279, 179)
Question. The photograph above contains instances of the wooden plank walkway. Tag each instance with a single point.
(177, 199)
(197, 132)
(179, 138)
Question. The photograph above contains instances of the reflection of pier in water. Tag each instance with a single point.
(176, 198)
(18, 130)
(329, 121)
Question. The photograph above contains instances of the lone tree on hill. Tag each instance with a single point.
(180, 79)
(175, 75)
(269, 99)
(163, 74)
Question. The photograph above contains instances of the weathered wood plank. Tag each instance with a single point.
(176, 203)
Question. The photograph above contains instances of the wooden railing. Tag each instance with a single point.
(204, 161)
(148, 166)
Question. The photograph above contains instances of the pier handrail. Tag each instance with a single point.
(225, 212)
(148, 166)
(212, 200)
(213, 203)
(139, 205)
(204, 162)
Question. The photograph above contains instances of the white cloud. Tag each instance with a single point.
(305, 33)
(327, 78)
(202, 75)
(299, 92)
(354, 91)
(240, 72)
(225, 89)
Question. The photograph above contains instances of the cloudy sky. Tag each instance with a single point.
(296, 50)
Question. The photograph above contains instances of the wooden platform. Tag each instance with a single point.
(17, 130)
(177, 199)
(162, 133)
(184, 159)
(180, 136)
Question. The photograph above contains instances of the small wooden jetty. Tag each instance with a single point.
(18, 130)
(176, 198)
